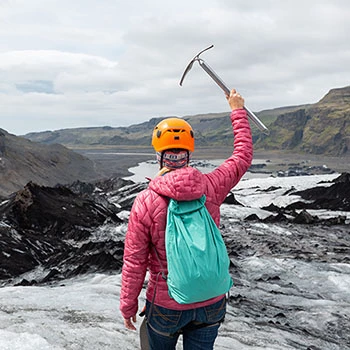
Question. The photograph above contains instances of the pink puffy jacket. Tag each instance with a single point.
(148, 219)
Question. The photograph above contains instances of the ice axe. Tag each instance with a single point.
(222, 85)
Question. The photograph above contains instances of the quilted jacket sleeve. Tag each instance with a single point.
(136, 252)
(227, 175)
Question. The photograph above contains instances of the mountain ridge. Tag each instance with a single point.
(319, 128)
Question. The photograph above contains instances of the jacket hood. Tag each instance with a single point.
(183, 184)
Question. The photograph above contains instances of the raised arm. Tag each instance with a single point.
(227, 175)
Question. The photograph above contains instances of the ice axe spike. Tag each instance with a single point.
(222, 85)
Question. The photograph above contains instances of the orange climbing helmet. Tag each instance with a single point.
(173, 133)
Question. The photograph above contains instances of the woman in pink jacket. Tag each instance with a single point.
(173, 140)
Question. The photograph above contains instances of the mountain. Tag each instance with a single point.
(320, 128)
(22, 161)
(211, 129)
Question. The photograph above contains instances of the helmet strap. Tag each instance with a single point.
(161, 160)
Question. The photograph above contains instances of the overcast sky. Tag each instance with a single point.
(80, 63)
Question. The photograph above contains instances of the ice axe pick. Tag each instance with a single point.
(222, 85)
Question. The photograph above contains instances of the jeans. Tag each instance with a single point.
(199, 327)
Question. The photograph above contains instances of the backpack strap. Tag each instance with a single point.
(160, 264)
(162, 273)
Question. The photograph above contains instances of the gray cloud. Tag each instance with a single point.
(84, 63)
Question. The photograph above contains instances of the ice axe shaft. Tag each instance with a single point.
(223, 86)
(214, 76)
(226, 90)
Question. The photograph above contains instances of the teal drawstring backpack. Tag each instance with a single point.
(198, 263)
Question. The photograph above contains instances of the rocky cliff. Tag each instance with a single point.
(321, 128)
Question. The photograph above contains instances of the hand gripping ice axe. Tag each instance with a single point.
(222, 85)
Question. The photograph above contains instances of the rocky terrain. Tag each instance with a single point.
(59, 229)
(54, 229)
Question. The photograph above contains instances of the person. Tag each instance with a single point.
(173, 140)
